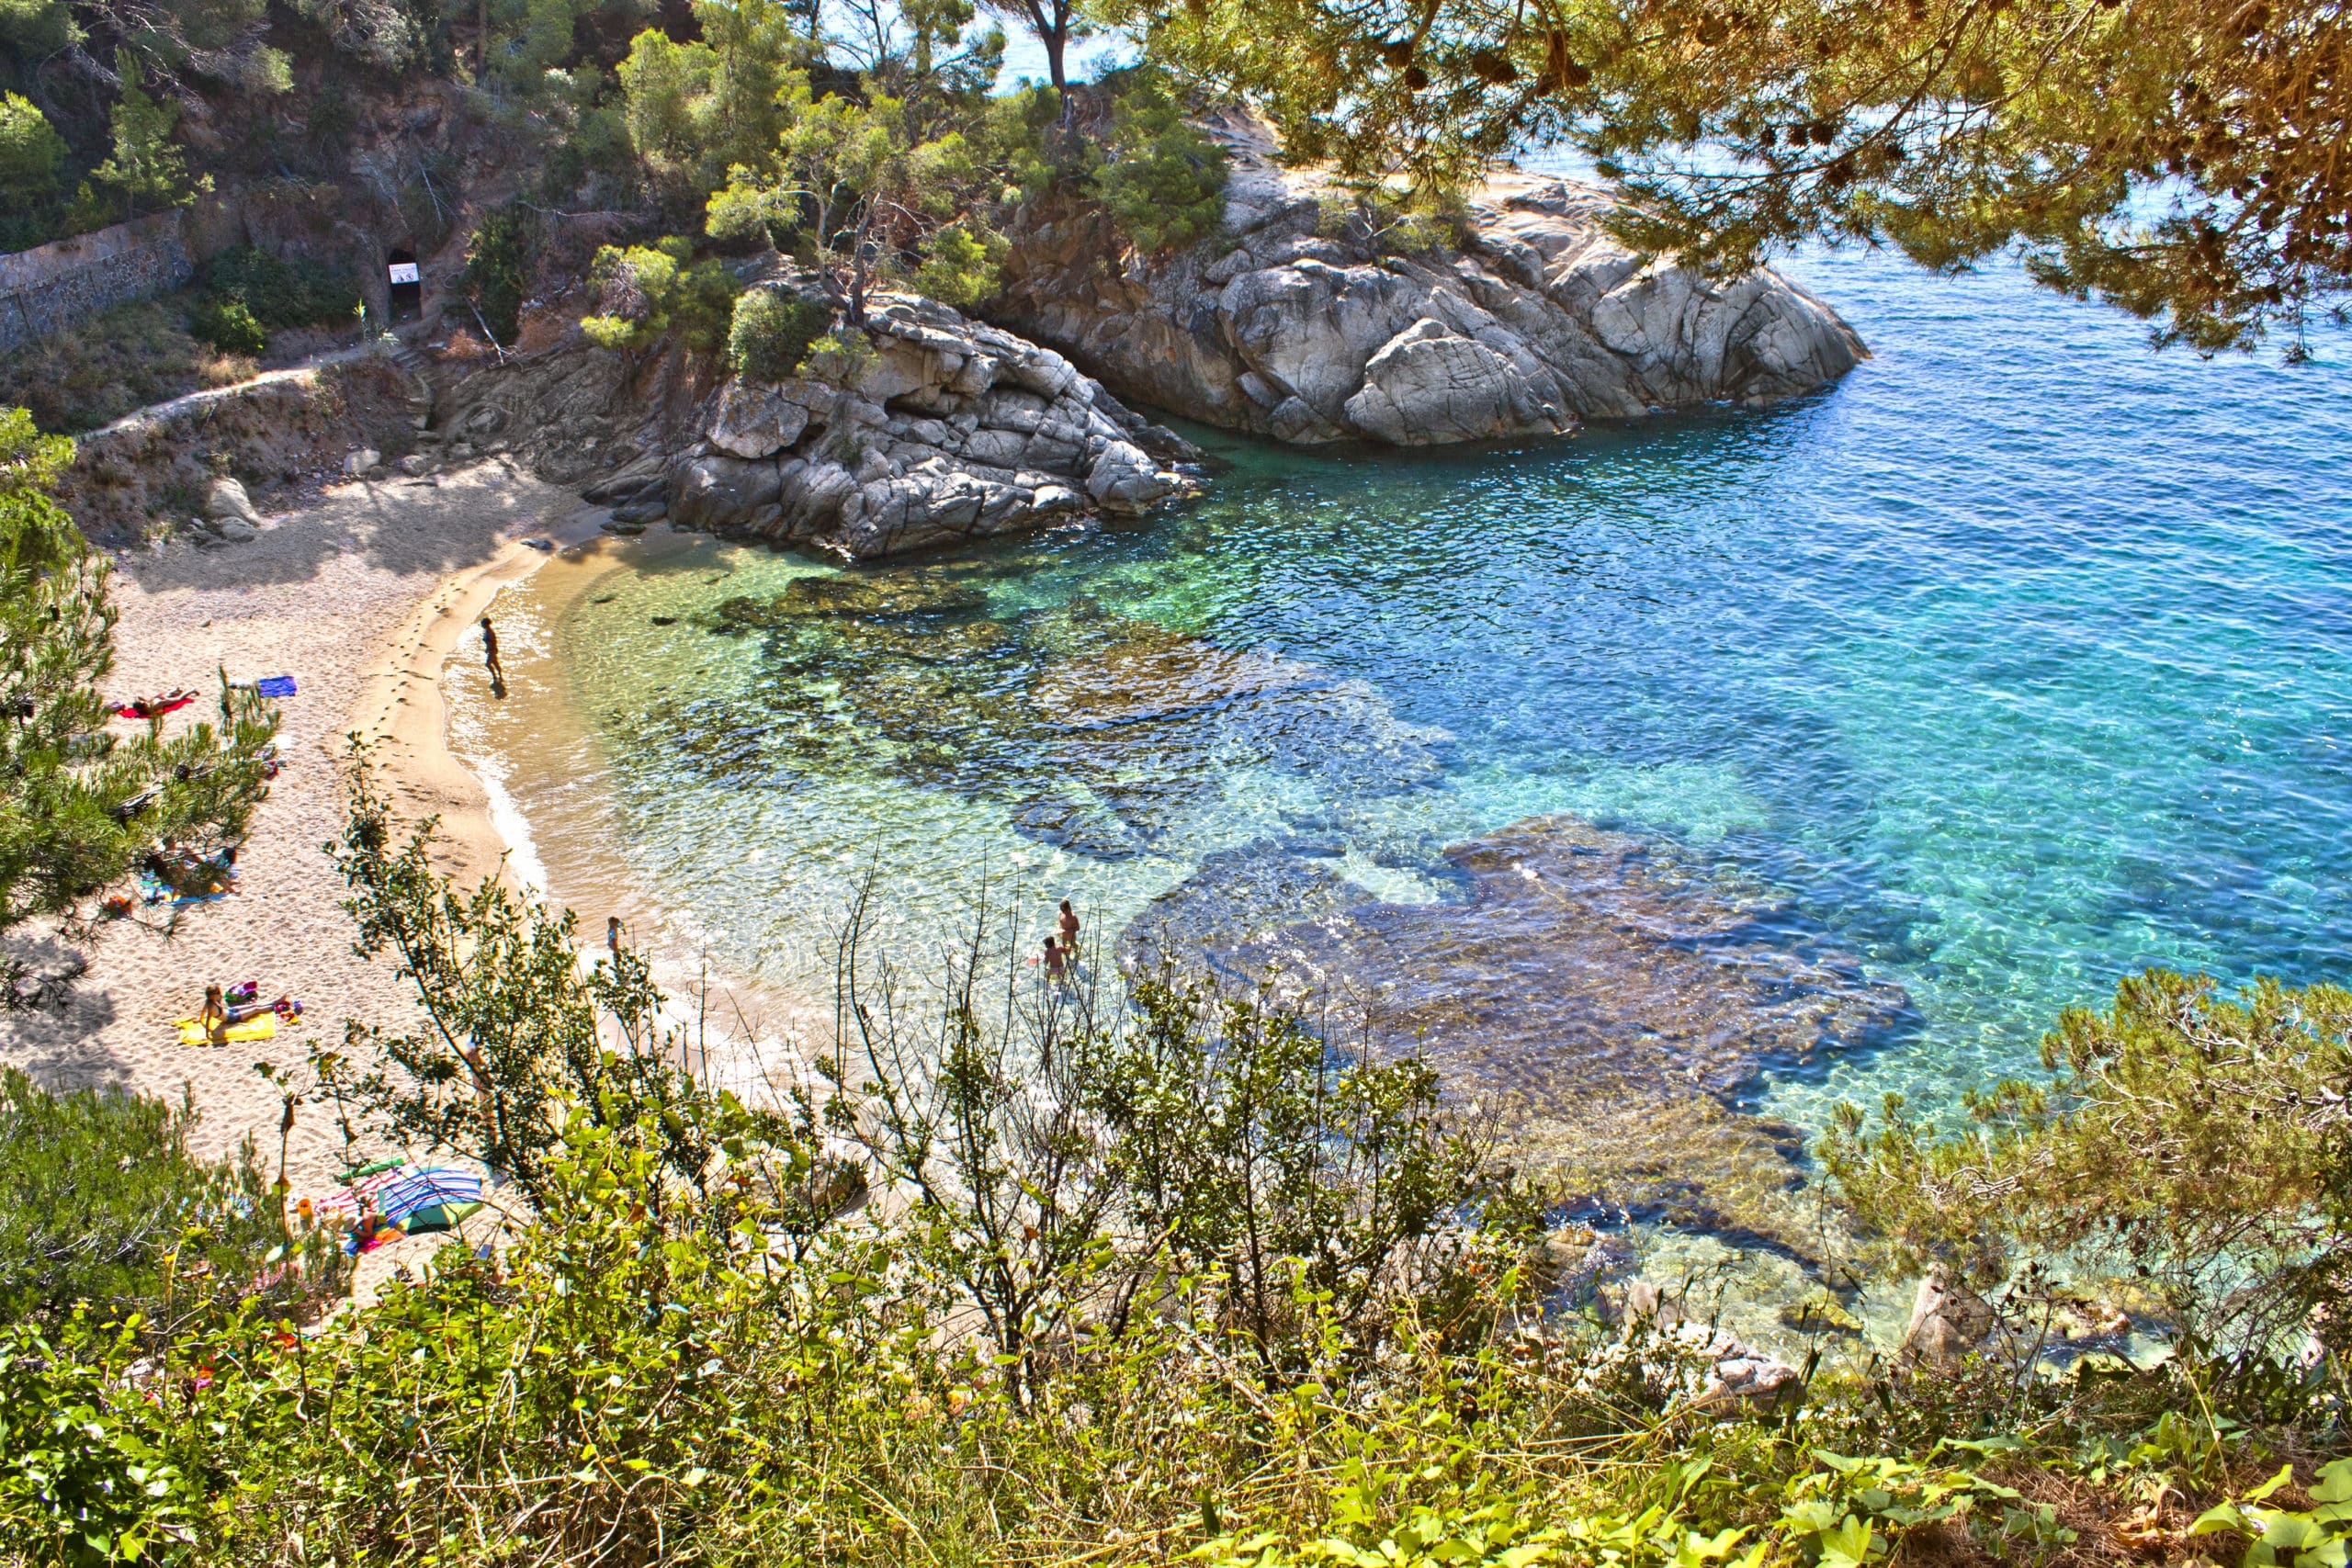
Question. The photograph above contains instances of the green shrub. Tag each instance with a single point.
(276, 294)
(30, 152)
(101, 1201)
(2191, 1142)
(86, 1477)
(1164, 182)
(499, 259)
(227, 325)
(961, 269)
(771, 330)
(649, 290)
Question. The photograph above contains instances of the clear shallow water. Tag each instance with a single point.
(2019, 660)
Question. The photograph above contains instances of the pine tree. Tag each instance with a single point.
(80, 804)
(149, 171)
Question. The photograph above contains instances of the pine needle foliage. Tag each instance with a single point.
(2176, 157)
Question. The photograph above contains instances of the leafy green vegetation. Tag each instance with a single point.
(498, 271)
(227, 325)
(2194, 1145)
(107, 1212)
(31, 152)
(1165, 1271)
(80, 803)
(771, 332)
(644, 292)
(1164, 180)
(147, 170)
(280, 292)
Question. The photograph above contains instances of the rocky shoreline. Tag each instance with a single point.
(1305, 323)
(1300, 322)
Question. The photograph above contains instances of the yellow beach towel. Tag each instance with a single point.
(261, 1028)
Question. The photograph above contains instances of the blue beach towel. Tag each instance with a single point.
(275, 685)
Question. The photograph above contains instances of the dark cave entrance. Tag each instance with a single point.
(407, 284)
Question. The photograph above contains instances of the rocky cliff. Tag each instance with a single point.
(1293, 326)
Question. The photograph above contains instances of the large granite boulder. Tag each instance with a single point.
(1293, 326)
(952, 432)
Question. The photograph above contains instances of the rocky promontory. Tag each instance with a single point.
(1297, 324)
(949, 432)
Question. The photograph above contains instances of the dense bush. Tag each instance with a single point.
(497, 279)
(645, 291)
(103, 1207)
(277, 293)
(2194, 1145)
(771, 332)
(30, 153)
(227, 325)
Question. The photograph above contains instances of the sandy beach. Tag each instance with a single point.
(361, 599)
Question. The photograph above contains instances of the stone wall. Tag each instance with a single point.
(48, 288)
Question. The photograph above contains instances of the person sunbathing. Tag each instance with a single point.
(156, 707)
(214, 1019)
(285, 1007)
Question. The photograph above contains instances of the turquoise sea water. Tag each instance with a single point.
(2020, 660)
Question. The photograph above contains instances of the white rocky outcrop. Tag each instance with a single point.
(1949, 1322)
(952, 432)
(1282, 327)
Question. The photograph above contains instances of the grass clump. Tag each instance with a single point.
(114, 363)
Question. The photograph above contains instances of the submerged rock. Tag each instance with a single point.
(1593, 994)
(1949, 1322)
(1577, 959)
(1291, 326)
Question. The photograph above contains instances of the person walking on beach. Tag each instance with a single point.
(613, 934)
(490, 657)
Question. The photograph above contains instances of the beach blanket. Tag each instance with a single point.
(275, 686)
(154, 708)
(345, 1203)
(261, 1028)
